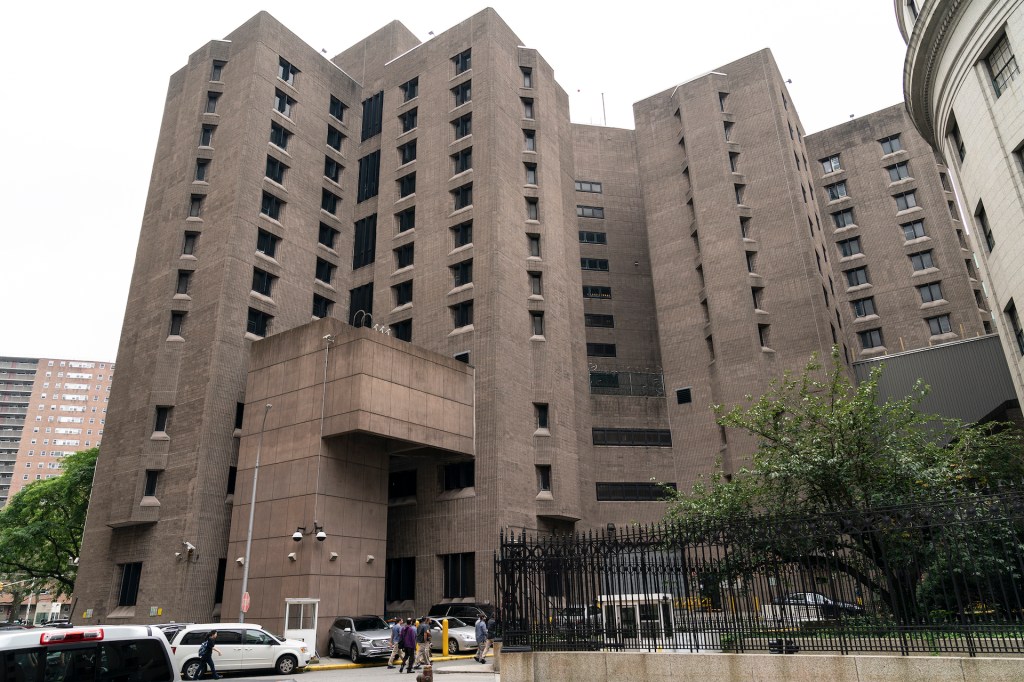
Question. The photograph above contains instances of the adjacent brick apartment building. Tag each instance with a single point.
(603, 286)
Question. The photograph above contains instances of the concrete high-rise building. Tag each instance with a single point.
(575, 297)
(963, 90)
(49, 408)
(884, 195)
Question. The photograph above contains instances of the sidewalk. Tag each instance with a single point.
(466, 664)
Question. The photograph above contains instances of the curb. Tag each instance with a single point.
(375, 664)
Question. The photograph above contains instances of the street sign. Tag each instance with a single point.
(245, 603)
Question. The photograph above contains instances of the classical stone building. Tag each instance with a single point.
(573, 297)
(963, 90)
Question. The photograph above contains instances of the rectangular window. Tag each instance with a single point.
(543, 477)
(407, 153)
(531, 173)
(285, 71)
(1002, 65)
(275, 170)
(958, 141)
(462, 234)
(871, 338)
(184, 277)
(329, 201)
(463, 126)
(589, 211)
(595, 320)
(600, 264)
(830, 164)
(360, 306)
(262, 281)
(593, 237)
(364, 241)
(177, 322)
(939, 325)
(930, 292)
(530, 140)
(527, 76)
(914, 230)
(463, 61)
(337, 108)
(1018, 330)
(369, 176)
(588, 186)
(373, 116)
(536, 283)
(863, 307)
(206, 136)
(188, 245)
(216, 71)
(462, 196)
(410, 89)
(751, 261)
(404, 256)
(849, 247)
(459, 579)
(195, 205)
(533, 245)
(202, 169)
(321, 306)
(633, 492)
(402, 330)
(734, 161)
(658, 438)
(409, 120)
(279, 135)
(401, 484)
(462, 314)
(334, 138)
(532, 208)
(601, 350)
(528, 111)
(727, 127)
(857, 277)
(763, 335)
(462, 273)
(590, 291)
(402, 292)
(457, 476)
(905, 200)
(211, 102)
(953, 213)
(541, 413)
(982, 219)
(400, 573)
(722, 97)
(324, 270)
(922, 260)
(283, 103)
(462, 93)
(537, 322)
(462, 161)
(163, 414)
(836, 191)
(128, 592)
(332, 169)
(271, 206)
(266, 243)
(899, 171)
(843, 218)
(407, 185)
(406, 219)
(890, 144)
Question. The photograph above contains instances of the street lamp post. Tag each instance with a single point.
(252, 510)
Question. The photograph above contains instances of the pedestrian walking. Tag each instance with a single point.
(423, 639)
(408, 645)
(396, 642)
(206, 651)
(481, 639)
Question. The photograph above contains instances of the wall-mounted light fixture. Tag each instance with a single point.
(291, 555)
(240, 561)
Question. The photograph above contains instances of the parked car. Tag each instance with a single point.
(818, 604)
(110, 652)
(359, 637)
(465, 611)
(461, 636)
(171, 629)
(243, 646)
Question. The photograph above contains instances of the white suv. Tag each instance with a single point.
(242, 646)
(118, 652)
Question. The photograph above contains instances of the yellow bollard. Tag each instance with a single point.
(444, 636)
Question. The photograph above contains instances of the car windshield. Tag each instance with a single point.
(369, 623)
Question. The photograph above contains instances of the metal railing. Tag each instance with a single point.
(935, 577)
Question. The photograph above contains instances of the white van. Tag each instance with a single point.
(242, 646)
(116, 653)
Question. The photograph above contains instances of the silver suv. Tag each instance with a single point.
(359, 637)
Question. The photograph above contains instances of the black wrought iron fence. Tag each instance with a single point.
(941, 576)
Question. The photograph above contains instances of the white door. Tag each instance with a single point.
(300, 617)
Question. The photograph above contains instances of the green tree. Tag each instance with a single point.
(41, 526)
(831, 451)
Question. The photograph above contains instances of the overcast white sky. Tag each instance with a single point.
(86, 83)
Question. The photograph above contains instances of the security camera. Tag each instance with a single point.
(321, 536)
(189, 547)
(297, 536)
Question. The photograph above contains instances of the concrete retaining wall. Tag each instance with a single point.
(664, 667)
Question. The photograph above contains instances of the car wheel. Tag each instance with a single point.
(190, 669)
(353, 653)
(453, 647)
(332, 651)
(286, 665)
